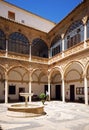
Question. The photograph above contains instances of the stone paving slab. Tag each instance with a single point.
(60, 116)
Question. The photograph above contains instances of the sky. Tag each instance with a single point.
(53, 10)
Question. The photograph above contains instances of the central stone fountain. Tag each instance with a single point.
(27, 109)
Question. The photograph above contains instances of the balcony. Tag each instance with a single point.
(71, 51)
(34, 59)
(21, 57)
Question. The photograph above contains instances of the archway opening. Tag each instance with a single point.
(39, 48)
(74, 84)
(56, 85)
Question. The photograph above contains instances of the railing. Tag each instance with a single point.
(39, 60)
(17, 56)
(87, 42)
(71, 51)
(2, 53)
(74, 49)
(23, 57)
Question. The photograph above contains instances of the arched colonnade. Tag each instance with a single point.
(68, 83)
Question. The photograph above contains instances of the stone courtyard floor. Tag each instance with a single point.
(60, 116)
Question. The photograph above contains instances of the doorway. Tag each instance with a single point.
(72, 93)
(58, 92)
(21, 90)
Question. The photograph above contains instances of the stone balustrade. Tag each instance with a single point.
(73, 50)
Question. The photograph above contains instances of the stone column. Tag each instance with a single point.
(6, 88)
(63, 90)
(62, 36)
(30, 88)
(49, 87)
(48, 52)
(6, 47)
(86, 90)
(85, 30)
(30, 57)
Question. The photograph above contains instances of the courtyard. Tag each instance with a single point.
(59, 116)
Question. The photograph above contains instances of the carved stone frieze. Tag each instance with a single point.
(84, 60)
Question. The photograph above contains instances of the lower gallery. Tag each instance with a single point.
(33, 60)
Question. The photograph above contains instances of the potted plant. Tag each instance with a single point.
(42, 96)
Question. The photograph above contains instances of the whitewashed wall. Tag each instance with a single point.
(30, 19)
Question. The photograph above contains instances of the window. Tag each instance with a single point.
(18, 43)
(88, 29)
(11, 15)
(2, 40)
(22, 21)
(56, 45)
(80, 91)
(12, 89)
(74, 34)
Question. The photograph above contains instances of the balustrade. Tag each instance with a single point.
(73, 50)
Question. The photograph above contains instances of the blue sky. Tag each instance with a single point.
(53, 10)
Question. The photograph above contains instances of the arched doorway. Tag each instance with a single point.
(39, 81)
(18, 79)
(74, 82)
(56, 84)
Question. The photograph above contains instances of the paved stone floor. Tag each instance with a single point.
(60, 116)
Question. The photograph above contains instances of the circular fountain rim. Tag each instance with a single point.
(20, 110)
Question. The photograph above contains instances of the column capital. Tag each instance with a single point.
(84, 20)
(62, 35)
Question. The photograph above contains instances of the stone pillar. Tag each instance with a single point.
(48, 52)
(49, 87)
(85, 30)
(30, 53)
(6, 47)
(30, 88)
(62, 36)
(63, 90)
(6, 88)
(86, 90)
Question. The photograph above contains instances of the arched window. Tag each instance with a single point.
(39, 48)
(2, 40)
(18, 43)
(74, 34)
(56, 45)
(88, 29)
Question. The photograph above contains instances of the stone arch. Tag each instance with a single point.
(70, 63)
(19, 71)
(39, 80)
(18, 77)
(53, 69)
(41, 73)
(55, 76)
(86, 68)
(18, 42)
(73, 77)
(15, 66)
(39, 48)
(74, 34)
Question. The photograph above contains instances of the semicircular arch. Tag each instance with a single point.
(72, 63)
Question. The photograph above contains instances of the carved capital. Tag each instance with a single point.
(84, 20)
(62, 35)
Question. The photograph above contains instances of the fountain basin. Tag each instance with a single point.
(20, 110)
